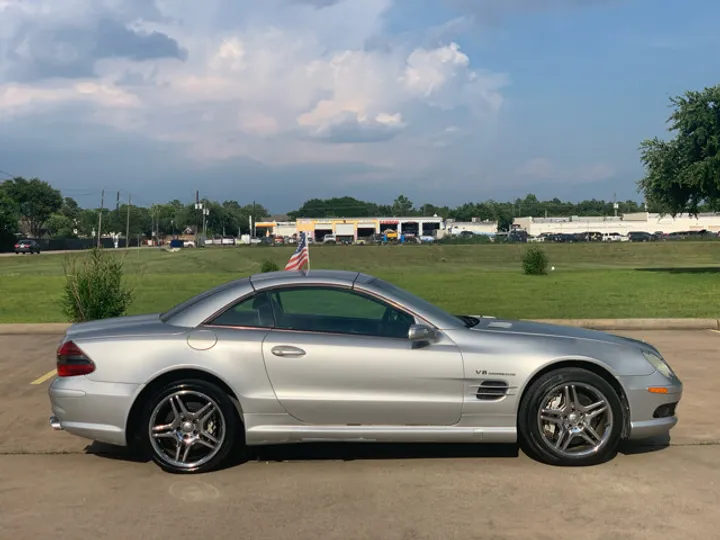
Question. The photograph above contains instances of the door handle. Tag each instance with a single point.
(287, 351)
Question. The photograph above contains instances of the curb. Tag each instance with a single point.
(638, 324)
(33, 329)
(591, 324)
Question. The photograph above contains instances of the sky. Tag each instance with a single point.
(280, 101)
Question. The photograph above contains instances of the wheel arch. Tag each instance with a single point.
(133, 419)
(588, 365)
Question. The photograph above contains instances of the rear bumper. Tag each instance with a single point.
(652, 414)
(92, 410)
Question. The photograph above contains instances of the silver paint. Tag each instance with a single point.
(309, 386)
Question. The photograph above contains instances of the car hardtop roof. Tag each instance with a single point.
(311, 276)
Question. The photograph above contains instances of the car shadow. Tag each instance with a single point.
(367, 451)
(645, 446)
(378, 451)
(683, 270)
(332, 452)
(120, 453)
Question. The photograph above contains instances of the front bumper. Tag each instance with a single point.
(652, 414)
(92, 410)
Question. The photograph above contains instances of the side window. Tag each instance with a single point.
(254, 312)
(327, 309)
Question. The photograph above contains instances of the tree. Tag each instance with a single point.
(339, 207)
(9, 214)
(402, 206)
(70, 209)
(9, 217)
(60, 226)
(36, 201)
(684, 172)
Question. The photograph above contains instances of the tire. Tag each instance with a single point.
(194, 395)
(539, 437)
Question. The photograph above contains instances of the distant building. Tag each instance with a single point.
(351, 227)
(487, 227)
(365, 227)
(636, 222)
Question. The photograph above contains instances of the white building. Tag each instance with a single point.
(475, 226)
(637, 222)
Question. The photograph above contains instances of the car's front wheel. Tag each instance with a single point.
(571, 416)
(189, 426)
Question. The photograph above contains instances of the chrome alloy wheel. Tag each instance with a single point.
(575, 420)
(187, 429)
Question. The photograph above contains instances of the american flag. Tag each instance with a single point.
(301, 255)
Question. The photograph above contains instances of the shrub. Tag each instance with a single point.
(94, 287)
(269, 266)
(535, 262)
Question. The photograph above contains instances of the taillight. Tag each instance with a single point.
(72, 361)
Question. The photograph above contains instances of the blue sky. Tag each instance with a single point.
(445, 101)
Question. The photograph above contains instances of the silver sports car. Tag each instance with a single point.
(288, 357)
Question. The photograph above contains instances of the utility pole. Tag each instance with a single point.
(127, 224)
(615, 204)
(252, 223)
(197, 227)
(102, 206)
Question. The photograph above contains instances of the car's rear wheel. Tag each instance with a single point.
(189, 426)
(571, 416)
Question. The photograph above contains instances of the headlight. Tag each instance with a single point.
(659, 364)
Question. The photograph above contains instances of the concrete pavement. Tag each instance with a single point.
(667, 494)
(359, 491)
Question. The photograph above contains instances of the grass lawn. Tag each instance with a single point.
(666, 279)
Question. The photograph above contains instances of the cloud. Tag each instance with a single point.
(490, 9)
(283, 83)
(297, 82)
(544, 169)
(352, 128)
(40, 39)
(316, 3)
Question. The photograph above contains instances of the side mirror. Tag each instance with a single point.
(421, 332)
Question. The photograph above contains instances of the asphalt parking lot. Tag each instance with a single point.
(59, 486)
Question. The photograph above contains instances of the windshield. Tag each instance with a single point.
(431, 309)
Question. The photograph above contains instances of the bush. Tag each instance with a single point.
(269, 266)
(94, 288)
(535, 262)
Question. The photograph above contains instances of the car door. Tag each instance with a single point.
(339, 357)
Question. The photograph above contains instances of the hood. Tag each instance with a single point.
(556, 331)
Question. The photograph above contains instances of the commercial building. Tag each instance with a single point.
(351, 228)
(636, 222)
(365, 227)
(275, 228)
(476, 226)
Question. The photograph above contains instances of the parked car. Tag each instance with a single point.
(295, 356)
(639, 236)
(27, 246)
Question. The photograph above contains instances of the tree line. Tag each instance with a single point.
(35, 208)
(682, 175)
(39, 210)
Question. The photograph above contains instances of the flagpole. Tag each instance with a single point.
(307, 246)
